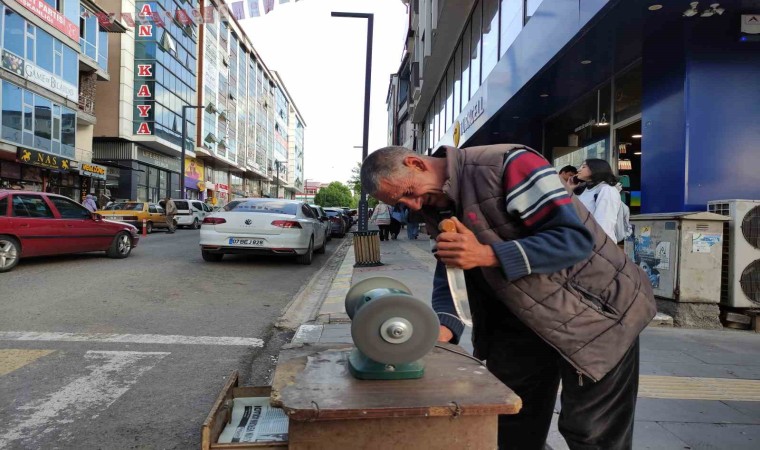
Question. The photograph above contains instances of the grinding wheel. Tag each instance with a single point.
(372, 322)
(360, 289)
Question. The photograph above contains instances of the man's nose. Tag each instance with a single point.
(414, 205)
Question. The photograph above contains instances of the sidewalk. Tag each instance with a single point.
(699, 389)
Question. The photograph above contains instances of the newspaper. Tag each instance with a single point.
(254, 420)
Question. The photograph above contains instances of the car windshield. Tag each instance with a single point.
(181, 204)
(332, 213)
(262, 206)
(126, 207)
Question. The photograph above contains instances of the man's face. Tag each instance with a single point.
(414, 186)
(566, 175)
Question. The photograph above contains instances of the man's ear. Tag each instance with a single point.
(415, 163)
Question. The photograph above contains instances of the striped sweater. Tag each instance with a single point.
(556, 237)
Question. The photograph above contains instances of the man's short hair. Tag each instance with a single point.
(381, 164)
(569, 169)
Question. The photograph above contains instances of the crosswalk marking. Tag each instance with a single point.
(130, 338)
(12, 359)
(111, 374)
(699, 388)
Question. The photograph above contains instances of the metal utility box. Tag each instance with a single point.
(681, 253)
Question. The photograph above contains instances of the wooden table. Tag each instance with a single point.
(455, 405)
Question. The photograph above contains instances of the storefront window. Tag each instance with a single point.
(162, 183)
(12, 121)
(582, 131)
(628, 94)
(490, 36)
(458, 80)
(530, 8)
(13, 35)
(43, 119)
(466, 65)
(475, 48)
(511, 22)
(450, 111)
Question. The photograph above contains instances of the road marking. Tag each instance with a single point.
(698, 388)
(111, 374)
(130, 338)
(12, 359)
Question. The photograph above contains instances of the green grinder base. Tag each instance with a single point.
(366, 369)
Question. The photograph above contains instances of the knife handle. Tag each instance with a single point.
(447, 226)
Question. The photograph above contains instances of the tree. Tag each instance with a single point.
(355, 182)
(335, 194)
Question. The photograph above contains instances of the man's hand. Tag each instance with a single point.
(445, 335)
(463, 250)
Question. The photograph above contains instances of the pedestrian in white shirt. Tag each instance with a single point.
(596, 187)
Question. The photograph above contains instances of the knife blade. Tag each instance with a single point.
(457, 282)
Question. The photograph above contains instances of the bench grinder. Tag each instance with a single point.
(391, 329)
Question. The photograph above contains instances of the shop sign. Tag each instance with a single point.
(13, 63)
(41, 159)
(193, 173)
(222, 188)
(472, 114)
(92, 170)
(51, 82)
(590, 123)
(158, 159)
(41, 9)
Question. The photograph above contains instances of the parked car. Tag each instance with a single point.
(190, 213)
(348, 215)
(262, 226)
(133, 213)
(38, 224)
(324, 219)
(338, 222)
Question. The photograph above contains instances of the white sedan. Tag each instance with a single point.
(262, 226)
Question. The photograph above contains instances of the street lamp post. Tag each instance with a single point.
(363, 210)
(278, 164)
(184, 142)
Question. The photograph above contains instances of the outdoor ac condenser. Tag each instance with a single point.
(740, 281)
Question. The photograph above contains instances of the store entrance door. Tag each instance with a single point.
(628, 155)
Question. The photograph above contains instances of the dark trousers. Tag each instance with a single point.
(395, 228)
(384, 232)
(594, 415)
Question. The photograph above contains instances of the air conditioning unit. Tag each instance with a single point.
(740, 280)
(211, 138)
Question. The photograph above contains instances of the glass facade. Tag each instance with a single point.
(33, 121)
(25, 43)
(93, 40)
(165, 72)
(491, 29)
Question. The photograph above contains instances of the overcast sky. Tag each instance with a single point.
(321, 60)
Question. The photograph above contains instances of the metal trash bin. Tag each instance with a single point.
(367, 248)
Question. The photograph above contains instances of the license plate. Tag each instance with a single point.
(248, 242)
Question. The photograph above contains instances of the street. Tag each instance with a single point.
(102, 353)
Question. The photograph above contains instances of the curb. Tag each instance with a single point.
(332, 309)
(304, 306)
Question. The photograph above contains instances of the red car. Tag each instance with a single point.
(37, 224)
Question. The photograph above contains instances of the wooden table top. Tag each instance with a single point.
(313, 383)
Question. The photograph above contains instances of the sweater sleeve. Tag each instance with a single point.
(443, 304)
(607, 207)
(535, 195)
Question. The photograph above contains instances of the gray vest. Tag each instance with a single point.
(590, 312)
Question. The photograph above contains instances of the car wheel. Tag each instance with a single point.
(196, 224)
(211, 257)
(10, 252)
(149, 228)
(121, 246)
(306, 258)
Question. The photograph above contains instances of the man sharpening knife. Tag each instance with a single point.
(551, 296)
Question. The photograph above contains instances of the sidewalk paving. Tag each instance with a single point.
(699, 389)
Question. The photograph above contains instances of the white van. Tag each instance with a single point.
(190, 213)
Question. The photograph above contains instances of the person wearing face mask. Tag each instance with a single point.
(539, 272)
(599, 191)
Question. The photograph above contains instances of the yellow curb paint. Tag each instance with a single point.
(14, 359)
(699, 388)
